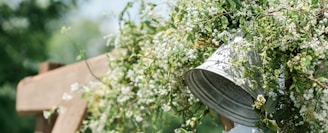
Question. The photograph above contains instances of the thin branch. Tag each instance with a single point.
(91, 72)
(318, 82)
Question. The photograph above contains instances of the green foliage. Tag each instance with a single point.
(24, 32)
(290, 42)
(9, 121)
(146, 81)
(23, 37)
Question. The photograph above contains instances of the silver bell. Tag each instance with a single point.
(219, 84)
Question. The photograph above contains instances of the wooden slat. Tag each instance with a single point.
(43, 125)
(48, 66)
(44, 91)
(70, 120)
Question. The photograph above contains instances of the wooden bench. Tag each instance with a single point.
(44, 91)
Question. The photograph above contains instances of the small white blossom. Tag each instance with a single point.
(126, 90)
(75, 87)
(191, 122)
(325, 14)
(46, 114)
(67, 97)
(177, 131)
(166, 107)
(61, 110)
(259, 102)
(138, 118)
(128, 113)
(65, 29)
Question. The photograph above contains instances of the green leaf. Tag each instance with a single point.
(308, 61)
(271, 124)
(238, 4)
(322, 79)
(242, 20)
(224, 22)
(208, 28)
(127, 6)
(292, 87)
(314, 2)
(270, 105)
(82, 55)
(232, 4)
(190, 38)
(183, 130)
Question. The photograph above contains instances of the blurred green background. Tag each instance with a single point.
(24, 32)
(30, 33)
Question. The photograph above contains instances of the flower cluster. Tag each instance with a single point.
(145, 85)
(259, 102)
(290, 38)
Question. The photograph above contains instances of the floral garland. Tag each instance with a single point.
(145, 86)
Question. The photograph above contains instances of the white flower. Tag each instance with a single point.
(261, 99)
(177, 130)
(138, 118)
(191, 54)
(65, 29)
(128, 113)
(166, 107)
(212, 11)
(67, 97)
(325, 14)
(122, 98)
(126, 90)
(46, 114)
(74, 87)
(86, 88)
(61, 110)
(240, 81)
(191, 122)
(238, 39)
(259, 102)
(308, 94)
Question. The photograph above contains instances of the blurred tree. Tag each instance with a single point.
(24, 30)
(83, 36)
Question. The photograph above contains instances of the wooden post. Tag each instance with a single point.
(44, 91)
(70, 120)
(43, 125)
(48, 66)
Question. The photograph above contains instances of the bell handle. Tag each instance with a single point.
(227, 123)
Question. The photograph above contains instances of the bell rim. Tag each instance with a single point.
(242, 119)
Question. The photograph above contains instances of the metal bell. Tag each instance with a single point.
(219, 84)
